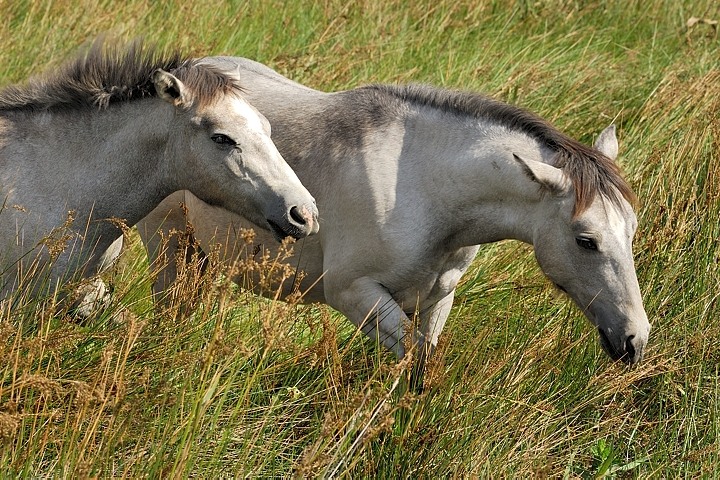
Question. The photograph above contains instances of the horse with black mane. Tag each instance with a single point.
(110, 134)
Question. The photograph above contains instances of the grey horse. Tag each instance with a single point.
(108, 136)
(410, 180)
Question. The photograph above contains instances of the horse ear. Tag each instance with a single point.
(607, 143)
(169, 88)
(550, 178)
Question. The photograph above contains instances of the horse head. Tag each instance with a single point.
(226, 143)
(587, 253)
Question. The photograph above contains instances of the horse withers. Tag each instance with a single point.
(112, 133)
(410, 180)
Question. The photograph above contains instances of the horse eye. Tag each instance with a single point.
(586, 243)
(222, 139)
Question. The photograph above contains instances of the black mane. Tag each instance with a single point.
(106, 74)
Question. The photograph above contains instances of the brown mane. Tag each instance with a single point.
(590, 171)
(107, 74)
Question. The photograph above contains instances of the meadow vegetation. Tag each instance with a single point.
(222, 383)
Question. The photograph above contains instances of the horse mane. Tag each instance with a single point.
(590, 171)
(109, 73)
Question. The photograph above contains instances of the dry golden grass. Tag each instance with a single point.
(217, 382)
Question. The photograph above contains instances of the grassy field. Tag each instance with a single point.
(520, 387)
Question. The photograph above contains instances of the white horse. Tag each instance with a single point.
(410, 180)
(112, 133)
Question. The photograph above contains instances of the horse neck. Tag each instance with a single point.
(480, 191)
(99, 165)
(106, 162)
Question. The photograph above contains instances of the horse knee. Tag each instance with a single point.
(89, 298)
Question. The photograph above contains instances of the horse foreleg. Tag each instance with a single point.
(433, 318)
(93, 294)
(371, 307)
(158, 232)
(432, 322)
(373, 310)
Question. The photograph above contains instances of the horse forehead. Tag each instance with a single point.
(237, 110)
(616, 216)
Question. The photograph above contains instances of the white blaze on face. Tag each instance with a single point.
(619, 225)
(244, 110)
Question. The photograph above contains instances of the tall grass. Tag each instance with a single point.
(219, 382)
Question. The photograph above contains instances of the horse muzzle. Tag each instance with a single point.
(298, 222)
(628, 348)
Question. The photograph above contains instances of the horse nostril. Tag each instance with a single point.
(297, 216)
(630, 348)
